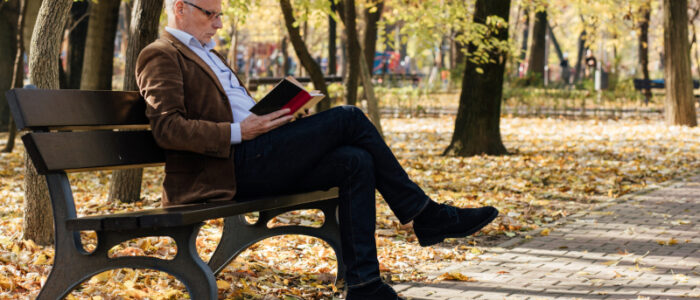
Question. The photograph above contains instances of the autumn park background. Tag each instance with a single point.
(527, 105)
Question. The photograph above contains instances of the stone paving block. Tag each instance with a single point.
(596, 256)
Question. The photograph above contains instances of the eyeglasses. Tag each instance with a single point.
(210, 14)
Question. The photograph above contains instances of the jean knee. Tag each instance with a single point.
(358, 160)
(351, 111)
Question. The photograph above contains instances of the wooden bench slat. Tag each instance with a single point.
(192, 213)
(95, 150)
(37, 108)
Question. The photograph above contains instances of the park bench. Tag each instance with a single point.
(641, 84)
(77, 131)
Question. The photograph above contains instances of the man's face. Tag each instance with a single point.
(200, 18)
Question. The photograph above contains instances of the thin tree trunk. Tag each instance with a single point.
(644, 47)
(366, 76)
(126, 184)
(29, 22)
(694, 41)
(76, 43)
(18, 78)
(477, 128)
(579, 56)
(233, 50)
(372, 101)
(526, 35)
(679, 108)
(99, 48)
(8, 50)
(285, 56)
(303, 54)
(553, 38)
(537, 49)
(371, 19)
(343, 56)
(43, 70)
(332, 46)
(353, 53)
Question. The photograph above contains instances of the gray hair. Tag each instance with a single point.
(169, 6)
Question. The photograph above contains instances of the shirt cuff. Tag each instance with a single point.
(235, 133)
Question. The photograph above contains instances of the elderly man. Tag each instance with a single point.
(217, 149)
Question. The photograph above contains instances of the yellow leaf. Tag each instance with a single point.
(611, 263)
(222, 284)
(455, 276)
(102, 277)
(545, 232)
(40, 260)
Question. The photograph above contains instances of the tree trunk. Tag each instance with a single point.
(76, 43)
(353, 53)
(526, 35)
(364, 68)
(553, 38)
(126, 184)
(477, 128)
(29, 22)
(371, 19)
(18, 77)
(343, 55)
(43, 69)
(303, 54)
(579, 56)
(99, 48)
(285, 57)
(332, 46)
(233, 50)
(536, 62)
(8, 51)
(644, 47)
(679, 108)
(372, 101)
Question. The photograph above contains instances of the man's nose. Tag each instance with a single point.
(217, 23)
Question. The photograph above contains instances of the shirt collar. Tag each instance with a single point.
(189, 39)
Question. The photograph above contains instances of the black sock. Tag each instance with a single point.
(429, 213)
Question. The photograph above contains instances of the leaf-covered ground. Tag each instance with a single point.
(556, 167)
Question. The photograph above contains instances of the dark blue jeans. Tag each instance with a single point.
(338, 147)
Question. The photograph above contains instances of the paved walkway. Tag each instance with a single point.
(647, 247)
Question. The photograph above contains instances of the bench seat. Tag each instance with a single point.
(188, 214)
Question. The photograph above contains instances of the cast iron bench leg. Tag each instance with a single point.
(72, 267)
(238, 234)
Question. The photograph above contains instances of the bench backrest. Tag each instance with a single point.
(76, 130)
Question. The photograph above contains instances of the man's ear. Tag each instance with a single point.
(179, 8)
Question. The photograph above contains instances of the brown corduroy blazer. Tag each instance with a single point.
(190, 118)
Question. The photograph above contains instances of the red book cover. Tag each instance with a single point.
(288, 93)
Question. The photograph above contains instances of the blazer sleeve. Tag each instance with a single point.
(160, 80)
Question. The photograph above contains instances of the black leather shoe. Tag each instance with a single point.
(448, 221)
(378, 291)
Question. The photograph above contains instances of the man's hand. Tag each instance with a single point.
(255, 125)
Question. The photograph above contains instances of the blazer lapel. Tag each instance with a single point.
(187, 52)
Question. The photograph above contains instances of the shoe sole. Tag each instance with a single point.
(437, 240)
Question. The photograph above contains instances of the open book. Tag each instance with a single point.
(288, 93)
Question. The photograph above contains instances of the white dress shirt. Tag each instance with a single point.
(238, 98)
